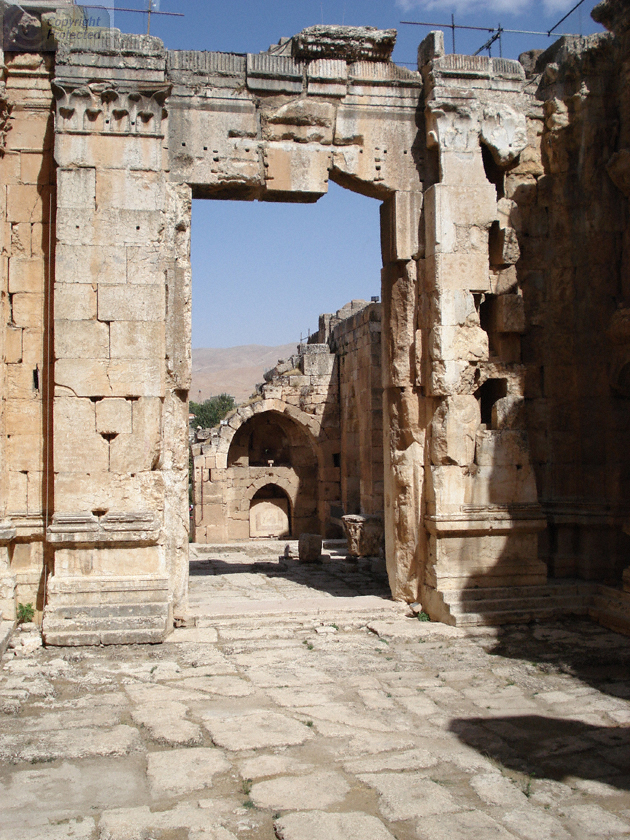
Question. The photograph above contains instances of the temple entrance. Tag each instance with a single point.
(132, 152)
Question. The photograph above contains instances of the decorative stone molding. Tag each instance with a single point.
(488, 519)
(274, 74)
(88, 529)
(106, 109)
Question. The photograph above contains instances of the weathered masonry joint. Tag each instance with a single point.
(503, 327)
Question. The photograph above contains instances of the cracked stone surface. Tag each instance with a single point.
(296, 721)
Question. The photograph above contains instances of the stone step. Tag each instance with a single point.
(568, 603)
(611, 608)
(549, 590)
(515, 616)
(82, 611)
(341, 610)
(518, 604)
(296, 624)
(76, 638)
(55, 624)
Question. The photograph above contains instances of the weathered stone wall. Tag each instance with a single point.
(122, 366)
(357, 343)
(571, 214)
(480, 502)
(327, 402)
(285, 439)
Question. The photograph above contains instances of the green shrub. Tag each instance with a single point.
(25, 613)
(209, 414)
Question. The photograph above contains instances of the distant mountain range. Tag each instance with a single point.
(233, 370)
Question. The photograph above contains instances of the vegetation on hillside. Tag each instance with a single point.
(210, 412)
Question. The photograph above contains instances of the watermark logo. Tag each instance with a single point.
(24, 32)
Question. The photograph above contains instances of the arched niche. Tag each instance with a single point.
(270, 513)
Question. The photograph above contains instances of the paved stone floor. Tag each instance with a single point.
(306, 706)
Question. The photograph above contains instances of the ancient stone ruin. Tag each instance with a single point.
(505, 325)
(306, 452)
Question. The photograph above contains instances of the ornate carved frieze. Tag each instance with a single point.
(102, 108)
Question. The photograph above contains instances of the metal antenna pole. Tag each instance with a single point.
(453, 31)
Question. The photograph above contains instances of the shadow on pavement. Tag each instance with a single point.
(551, 748)
(559, 747)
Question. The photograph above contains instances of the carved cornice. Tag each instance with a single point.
(475, 520)
(349, 43)
(102, 108)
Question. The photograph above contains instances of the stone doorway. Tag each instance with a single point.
(132, 149)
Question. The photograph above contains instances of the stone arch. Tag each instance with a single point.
(298, 473)
(279, 481)
(309, 425)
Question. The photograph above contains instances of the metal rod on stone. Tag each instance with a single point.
(136, 11)
(486, 28)
(577, 6)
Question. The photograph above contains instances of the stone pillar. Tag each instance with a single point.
(405, 546)
(482, 510)
(27, 211)
(122, 364)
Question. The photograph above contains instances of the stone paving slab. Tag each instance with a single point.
(291, 725)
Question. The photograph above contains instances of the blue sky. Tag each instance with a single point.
(262, 272)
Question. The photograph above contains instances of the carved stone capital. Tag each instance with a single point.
(365, 535)
(102, 108)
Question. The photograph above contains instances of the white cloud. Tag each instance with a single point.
(511, 7)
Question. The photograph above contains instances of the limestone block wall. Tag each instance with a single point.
(122, 366)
